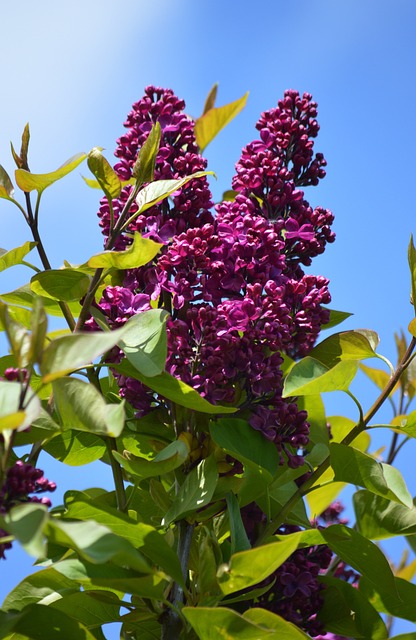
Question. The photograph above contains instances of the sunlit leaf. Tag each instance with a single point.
(139, 253)
(24, 296)
(75, 448)
(347, 345)
(211, 98)
(27, 181)
(157, 191)
(310, 377)
(379, 518)
(15, 256)
(215, 119)
(335, 318)
(144, 167)
(61, 284)
(104, 173)
(12, 415)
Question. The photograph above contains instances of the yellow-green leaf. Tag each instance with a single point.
(6, 186)
(139, 253)
(107, 178)
(27, 181)
(212, 121)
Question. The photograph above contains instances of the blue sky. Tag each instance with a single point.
(73, 69)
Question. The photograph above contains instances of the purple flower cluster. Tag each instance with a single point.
(21, 480)
(295, 592)
(232, 279)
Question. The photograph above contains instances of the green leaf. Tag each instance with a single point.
(407, 425)
(195, 492)
(398, 600)
(26, 522)
(71, 352)
(239, 539)
(15, 256)
(39, 328)
(139, 253)
(144, 167)
(347, 611)
(352, 466)
(11, 416)
(378, 376)
(246, 444)
(75, 448)
(36, 587)
(151, 542)
(90, 608)
(157, 191)
(18, 337)
(215, 119)
(248, 568)
(145, 342)
(173, 389)
(318, 432)
(82, 407)
(6, 186)
(61, 284)
(226, 624)
(170, 458)
(38, 622)
(96, 543)
(379, 518)
(27, 181)
(104, 173)
(335, 318)
(412, 266)
(21, 161)
(310, 377)
(24, 296)
(344, 346)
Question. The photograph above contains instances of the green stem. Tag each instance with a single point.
(280, 518)
(111, 445)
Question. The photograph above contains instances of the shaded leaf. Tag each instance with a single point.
(39, 622)
(246, 444)
(335, 318)
(25, 296)
(379, 518)
(195, 492)
(378, 376)
(12, 416)
(26, 522)
(139, 253)
(170, 458)
(81, 406)
(6, 186)
(145, 342)
(412, 265)
(238, 535)
(215, 119)
(211, 98)
(352, 466)
(399, 600)
(27, 181)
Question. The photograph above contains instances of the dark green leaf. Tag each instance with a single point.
(27, 181)
(38, 622)
(379, 518)
(246, 444)
(105, 174)
(346, 611)
(144, 167)
(396, 600)
(15, 256)
(212, 121)
(353, 466)
(82, 407)
(412, 266)
(91, 608)
(24, 296)
(195, 492)
(36, 587)
(140, 252)
(239, 539)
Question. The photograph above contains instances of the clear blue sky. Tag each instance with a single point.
(73, 69)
